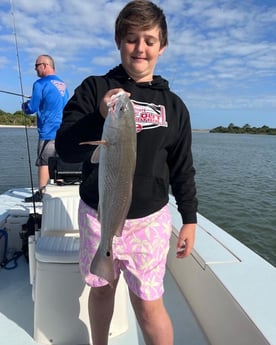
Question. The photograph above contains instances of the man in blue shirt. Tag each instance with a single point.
(49, 96)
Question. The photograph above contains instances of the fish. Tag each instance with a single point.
(116, 155)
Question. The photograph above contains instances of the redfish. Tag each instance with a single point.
(116, 155)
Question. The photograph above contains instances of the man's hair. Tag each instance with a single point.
(50, 60)
(144, 15)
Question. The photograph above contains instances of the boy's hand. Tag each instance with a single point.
(107, 99)
(186, 240)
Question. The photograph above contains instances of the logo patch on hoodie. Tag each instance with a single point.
(149, 115)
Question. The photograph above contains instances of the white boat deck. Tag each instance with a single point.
(17, 307)
(229, 290)
(16, 312)
(11, 203)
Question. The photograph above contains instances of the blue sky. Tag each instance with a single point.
(221, 58)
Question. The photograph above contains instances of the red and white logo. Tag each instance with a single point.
(60, 86)
(149, 115)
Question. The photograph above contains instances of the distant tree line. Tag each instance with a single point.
(246, 129)
(17, 119)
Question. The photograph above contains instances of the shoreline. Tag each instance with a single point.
(201, 130)
(16, 126)
(21, 126)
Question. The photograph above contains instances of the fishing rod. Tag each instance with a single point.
(14, 93)
(25, 122)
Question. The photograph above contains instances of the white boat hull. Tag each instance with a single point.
(230, 289)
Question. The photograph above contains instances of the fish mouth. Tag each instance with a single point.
(115, 100)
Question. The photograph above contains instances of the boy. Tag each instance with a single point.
(163, 158)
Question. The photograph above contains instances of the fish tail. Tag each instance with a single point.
(102, 265)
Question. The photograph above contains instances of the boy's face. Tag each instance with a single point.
(139, 53)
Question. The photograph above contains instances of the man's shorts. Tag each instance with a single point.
(140, 253)
(45, 150)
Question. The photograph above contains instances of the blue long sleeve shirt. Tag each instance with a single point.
(49, 97)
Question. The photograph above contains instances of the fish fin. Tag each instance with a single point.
(96, 142)
(102, 265)
(95, 158)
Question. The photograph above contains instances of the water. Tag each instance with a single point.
(15, 171)
(236, 181)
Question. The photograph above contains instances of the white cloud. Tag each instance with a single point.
(219, 53)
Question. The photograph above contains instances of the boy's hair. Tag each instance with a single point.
(142, 14)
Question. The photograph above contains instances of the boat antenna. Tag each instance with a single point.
(22, 98)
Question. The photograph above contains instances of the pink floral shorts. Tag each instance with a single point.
(140, 253)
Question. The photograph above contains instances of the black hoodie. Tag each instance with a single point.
(164, 154)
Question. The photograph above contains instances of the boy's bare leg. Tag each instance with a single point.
(154, 320)
(100, 307)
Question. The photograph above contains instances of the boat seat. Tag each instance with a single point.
(59, 293)
(57, 249)
(61, 296)
(60, 216)
(53, 190)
